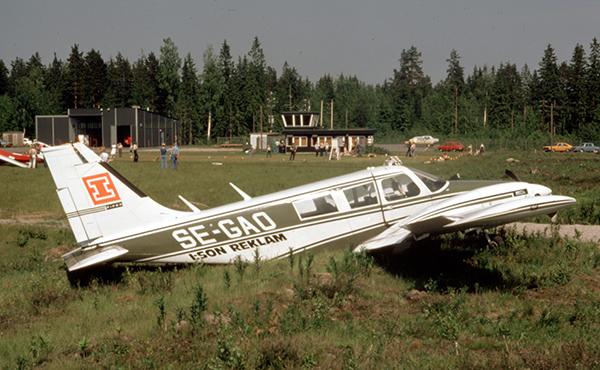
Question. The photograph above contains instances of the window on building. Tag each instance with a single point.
(297, 141)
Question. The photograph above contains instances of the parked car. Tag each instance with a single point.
(4, 144)
(452, 146)
(422, 140)
(558, 147)
(586, 147)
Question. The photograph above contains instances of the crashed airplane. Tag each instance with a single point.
(379, 209)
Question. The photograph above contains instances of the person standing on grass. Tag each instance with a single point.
(174, 156)
(163, 157)
(33, 157)
(113, 151)
(120, 149)
(135, 153)
(268, 151)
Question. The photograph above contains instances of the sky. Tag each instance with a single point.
(350, 37)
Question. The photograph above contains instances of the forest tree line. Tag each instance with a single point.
(240, 95)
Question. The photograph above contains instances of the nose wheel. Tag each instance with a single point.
(493, 242)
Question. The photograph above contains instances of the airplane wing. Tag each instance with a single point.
(472, 210)
(12, 161)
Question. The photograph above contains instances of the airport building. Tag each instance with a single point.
(105, 126)
(304, 130)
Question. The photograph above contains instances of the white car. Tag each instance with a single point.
(422, 140)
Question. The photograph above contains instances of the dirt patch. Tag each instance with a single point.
(584, 233)
(36, 218)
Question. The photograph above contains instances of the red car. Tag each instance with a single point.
(452, 146)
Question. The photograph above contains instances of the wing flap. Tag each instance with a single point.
(392, 237)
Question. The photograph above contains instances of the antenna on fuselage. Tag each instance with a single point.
(192, 207)
(240, 192)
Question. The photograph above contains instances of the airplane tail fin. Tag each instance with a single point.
(97, 200)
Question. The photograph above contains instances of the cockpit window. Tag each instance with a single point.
(432, 182)
(362, 195)
(316, 206)
(398, 187)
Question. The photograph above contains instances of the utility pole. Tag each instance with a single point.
(321, 115)
(209, 122)
(332, 114)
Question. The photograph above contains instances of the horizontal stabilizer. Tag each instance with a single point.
(75, 261)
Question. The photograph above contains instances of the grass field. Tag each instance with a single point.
(447, 304)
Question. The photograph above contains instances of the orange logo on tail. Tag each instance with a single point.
(101, 188)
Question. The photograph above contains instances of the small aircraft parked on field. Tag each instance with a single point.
(380, 209)
(19, 160)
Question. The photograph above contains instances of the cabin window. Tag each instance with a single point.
(361, 196)
(317, 206)
(432, 182)
(399, 187)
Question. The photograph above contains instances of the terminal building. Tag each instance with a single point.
(304, 130)
(107, 126)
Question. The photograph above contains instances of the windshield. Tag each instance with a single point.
(432, 182)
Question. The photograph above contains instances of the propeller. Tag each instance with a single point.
(510, 174)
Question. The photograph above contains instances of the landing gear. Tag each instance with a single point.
(494, 242)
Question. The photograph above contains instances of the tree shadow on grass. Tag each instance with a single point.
(432, 265)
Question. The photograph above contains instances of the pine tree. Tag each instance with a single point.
(168, 77)
(74, 80)
(95, 79)
(120, 76)
(575, 86)
(187, 103)
(256, 87)
(455, 81)
(3, 78)
(593, 84)
(211, 89)
(549, 88)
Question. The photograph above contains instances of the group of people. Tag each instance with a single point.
(173, 153)
(280, 146)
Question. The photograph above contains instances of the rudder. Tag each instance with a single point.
(97, 200)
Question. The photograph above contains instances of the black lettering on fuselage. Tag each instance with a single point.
(257, 242)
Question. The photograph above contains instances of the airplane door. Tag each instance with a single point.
(401, 197)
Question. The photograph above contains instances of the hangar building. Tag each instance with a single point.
(105, 126)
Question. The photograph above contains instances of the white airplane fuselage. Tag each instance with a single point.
(342, 212)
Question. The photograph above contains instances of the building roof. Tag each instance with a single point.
(303, 131)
